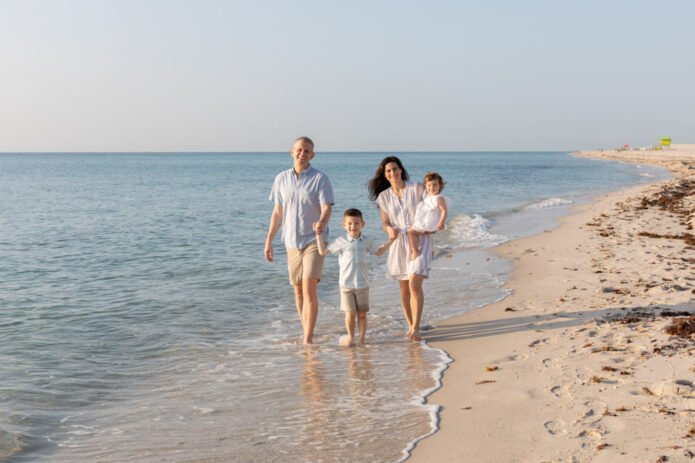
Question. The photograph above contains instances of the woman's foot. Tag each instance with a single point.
(415, 337)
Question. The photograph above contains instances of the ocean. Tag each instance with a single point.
(140, 322)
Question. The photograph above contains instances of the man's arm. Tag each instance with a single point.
(326, 209)
(275, 222)
(321, 244)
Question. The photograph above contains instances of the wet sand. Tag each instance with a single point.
(591, 357)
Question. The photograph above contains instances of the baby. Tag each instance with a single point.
(430, 213)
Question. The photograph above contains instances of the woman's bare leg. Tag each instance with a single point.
(417, 301)
(405, 303)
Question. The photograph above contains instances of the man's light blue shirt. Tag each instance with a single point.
(301, 197)
(352, 258)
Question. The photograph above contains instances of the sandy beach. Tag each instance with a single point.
(589, 358)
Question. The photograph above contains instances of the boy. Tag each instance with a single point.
(352, 252)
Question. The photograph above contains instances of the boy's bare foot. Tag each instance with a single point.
(347, 341)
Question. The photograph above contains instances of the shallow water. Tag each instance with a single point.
(140, 321)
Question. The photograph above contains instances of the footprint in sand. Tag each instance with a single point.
(555, 427)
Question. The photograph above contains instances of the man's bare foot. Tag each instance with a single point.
(347, 341)
(308, 341)
(360, 341)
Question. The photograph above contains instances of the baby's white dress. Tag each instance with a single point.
(427, 213)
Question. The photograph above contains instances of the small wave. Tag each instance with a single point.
(466, 231)
(550, 202)
(645, 174)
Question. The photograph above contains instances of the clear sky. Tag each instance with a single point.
(203, 75)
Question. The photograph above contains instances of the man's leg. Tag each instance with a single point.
(310, 307)
(299, 301)
(294, 267)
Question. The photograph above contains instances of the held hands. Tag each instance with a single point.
(393, 233)
(318, 228)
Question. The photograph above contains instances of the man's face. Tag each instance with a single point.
(353, 225)
(302, 152)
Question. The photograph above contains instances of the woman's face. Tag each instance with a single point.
(392, 172)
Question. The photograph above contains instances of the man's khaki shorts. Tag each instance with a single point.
(304, 263)
(354, 300)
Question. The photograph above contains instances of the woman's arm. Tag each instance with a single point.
(386, 225)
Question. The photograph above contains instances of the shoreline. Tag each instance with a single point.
(548, 373)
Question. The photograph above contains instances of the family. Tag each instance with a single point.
(410, 213)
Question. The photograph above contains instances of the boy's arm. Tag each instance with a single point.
(384, 247)
(441, 203)
(321, 244)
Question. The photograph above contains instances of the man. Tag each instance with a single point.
(303, 198)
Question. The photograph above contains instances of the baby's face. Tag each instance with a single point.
(433, 187)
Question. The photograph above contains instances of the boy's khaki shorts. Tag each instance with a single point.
(304, 263)
(354, 300)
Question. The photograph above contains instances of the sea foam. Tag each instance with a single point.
(472, 231)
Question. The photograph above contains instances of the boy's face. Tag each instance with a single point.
(353, 225)
(302, 153)
(433, 187)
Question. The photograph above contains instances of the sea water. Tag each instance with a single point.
(139, 320)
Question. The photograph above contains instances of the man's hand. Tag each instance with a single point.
(318, 228)
(269, 252)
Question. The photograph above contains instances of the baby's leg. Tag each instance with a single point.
(413, 239)
(350, 325)
(362, 325)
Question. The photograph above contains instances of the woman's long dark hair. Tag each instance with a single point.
(378, 183)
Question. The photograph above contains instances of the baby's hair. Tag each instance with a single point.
(429, 176)
(353, 213)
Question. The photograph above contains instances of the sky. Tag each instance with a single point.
(204, 75)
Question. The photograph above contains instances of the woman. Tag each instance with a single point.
(397, 199)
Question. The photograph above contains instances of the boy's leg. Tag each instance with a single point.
(413, 240)
(362, 325)
(350, 325)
